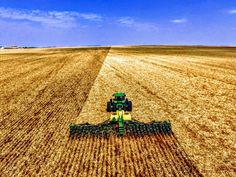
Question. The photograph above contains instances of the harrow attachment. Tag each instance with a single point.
(132, 127)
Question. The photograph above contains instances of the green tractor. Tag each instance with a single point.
(119, 102)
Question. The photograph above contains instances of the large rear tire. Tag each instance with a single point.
(129, 106)
(109, 108)
(114, 107)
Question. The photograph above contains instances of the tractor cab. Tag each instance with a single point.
(119, 96)
(119, 102)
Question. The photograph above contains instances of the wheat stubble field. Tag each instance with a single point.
(44, 90)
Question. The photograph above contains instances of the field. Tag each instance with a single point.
(44, 90)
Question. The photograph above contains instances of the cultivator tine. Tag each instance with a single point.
(102, 129)
(139, 128)
(133, 127)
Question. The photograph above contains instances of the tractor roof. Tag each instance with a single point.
(119, 94)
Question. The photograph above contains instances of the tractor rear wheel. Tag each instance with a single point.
(114, 107)
(129, 106)
(109, 108)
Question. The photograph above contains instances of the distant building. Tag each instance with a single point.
(11, 47)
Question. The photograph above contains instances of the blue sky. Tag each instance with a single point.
(117, 22)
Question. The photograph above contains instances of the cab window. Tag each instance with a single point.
(119, 98)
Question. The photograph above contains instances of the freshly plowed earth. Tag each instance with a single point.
(44, 90)
(41, 93)
(155, 155)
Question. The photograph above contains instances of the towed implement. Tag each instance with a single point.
(120, 123)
